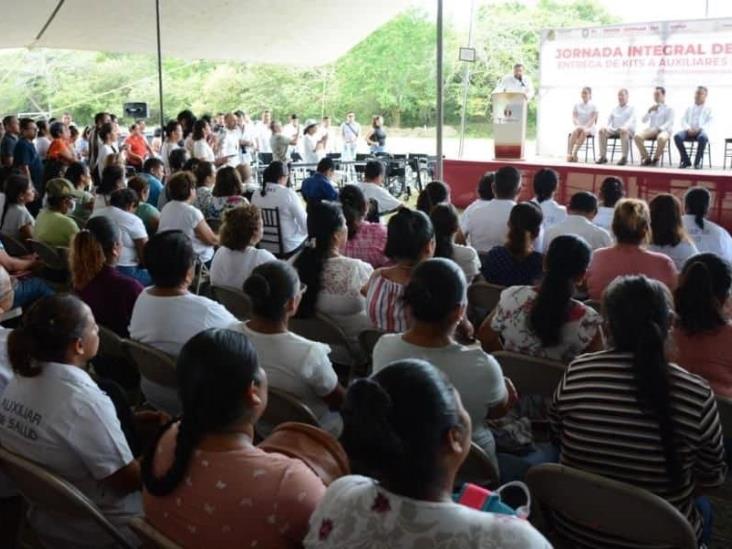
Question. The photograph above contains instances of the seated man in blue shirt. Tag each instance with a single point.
(318, 186)
(153, 170)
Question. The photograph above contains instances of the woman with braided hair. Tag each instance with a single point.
(206, 484)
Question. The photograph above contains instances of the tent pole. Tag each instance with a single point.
(160, 65)
(440, 91)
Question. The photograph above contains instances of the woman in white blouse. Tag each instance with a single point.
(293, 218)
(668, 236)
(446, 224)
(707, 235)
(584, 118)
(201, 148)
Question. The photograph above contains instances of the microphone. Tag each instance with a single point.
(521, 80)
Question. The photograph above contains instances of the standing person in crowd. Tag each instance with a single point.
(410, 240)
(436, 297)
(43, 141)
(280, 143)
(545, 187)
(263, 132)
(201, 148)
(611, 191)
(372, 187)
(376, 136)
(326, 128)
(292, 128)
(444, 219)
(109, 138)
(313, 142)
(631, 228)
(153, 171)
(109, 293)
(350, 134)
(293, 219)
(204, 467)
(113, 178)
(695, 126)
(413, 461)
(80, 177)
(179, 214)
(226, 194)
(660, 120)
(630, 415)
(61, 150)
(516, 263)
(25, 156)
(668, 236)
(137, 147)
(16, 221)
(620, 125)
(485, 195)
(547, 321)
(53, 225)
(95, 142)
(293, 364)
(173, 137)
(366, 240)
(148, 213)
(703, 345)
(82, 145)
(238, 255)
(319, 186)
(76, 431)
(582, 210)
(166, 315)
(231, 140)
(9, 140)
(707, 235)
(187, 120)
(584, 118)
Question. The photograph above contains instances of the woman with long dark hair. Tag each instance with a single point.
(612, 191)
(668, 235)
(447, 225)
(366, 239)
(205, 473)
(546, 182)
(546, 321)
(707, 235)
(227, 193)
(630, 415)
(376, 136)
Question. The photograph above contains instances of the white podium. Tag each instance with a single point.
(509, 125)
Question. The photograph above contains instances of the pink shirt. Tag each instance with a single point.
(625, 259)
(238, 498)
(708, 355)
(368, 244)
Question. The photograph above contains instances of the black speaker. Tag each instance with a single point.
(135, 110)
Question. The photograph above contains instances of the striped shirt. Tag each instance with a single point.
(385, 304)
(603, 429)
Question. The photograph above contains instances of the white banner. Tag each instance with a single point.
(678, 55)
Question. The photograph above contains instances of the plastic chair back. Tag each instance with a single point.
(271, 232)
(368, 340)
(283, 407)
(235, 301)
(482, 299)
(13, 246)
(51, 258)
(154, 365)
(531, 375)
(324, 330)
(151, 538)
(478, 469)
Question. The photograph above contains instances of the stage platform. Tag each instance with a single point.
(642, 182)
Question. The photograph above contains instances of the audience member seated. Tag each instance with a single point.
(436, 297)
(485, 195)
(153, 171)
(179, 161)
(293, 364)
(206, 484)
(487, 227)
(373, 187)
(205, 175)
(7, 297)
(276, 194)
(582, 210)
(53, 226)
(433, 194)
(109, 293)
(180, 215)
(445, 221)
(631, 227)
(546, 321)
(413, 460)
(226, 194)
(80, 177)
(113, 178)
(17, 222)
(148, 213)
(545, 187)
(707, 235)
(668, 236)
(60, 419)
(237, 256)
(134, 236)
(630, 415)
(611, 191)
(27, 288)
(410, 240)
(516, 263)
(702, 332)
(332, 281)
(366, 240)
(318, 186)
(166, 315)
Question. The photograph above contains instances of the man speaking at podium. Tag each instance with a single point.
(516, 82)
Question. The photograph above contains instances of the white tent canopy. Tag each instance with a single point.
(295, 32)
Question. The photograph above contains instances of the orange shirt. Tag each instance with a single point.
(708, 355)
(137, 146)
(57, 147)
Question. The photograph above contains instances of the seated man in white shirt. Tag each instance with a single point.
(516, 82)
(546, 182)
(373, 188)
(660, 120)
(485, 195)
(582, 209)
(620, 124)
(694, 127)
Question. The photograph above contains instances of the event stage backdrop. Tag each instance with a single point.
(678, 55)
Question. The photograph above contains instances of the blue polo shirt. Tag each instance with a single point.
(317, 187)
(155, 188)
(25, 154)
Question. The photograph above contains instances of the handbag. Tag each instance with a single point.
(482, 499)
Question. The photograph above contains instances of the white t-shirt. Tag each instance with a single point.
(42, 145)
(712, 238)
(104, 152)
(181, 216)
(296, 365)
(578, 225)
(232, 267)
(487, 224)
(230, 148)
(679, 254)
(357, 512)
(584, 113)
(131, 228)
(552, 211)
(309, 149)
(604, 218)
(293, 218)
(167, 323)
(474, 206)
(203, 151)
(63, 421)
(467, 259)
(386, 201)
(621, 117)
(263, 134)
(165, 151)
(16, 216)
